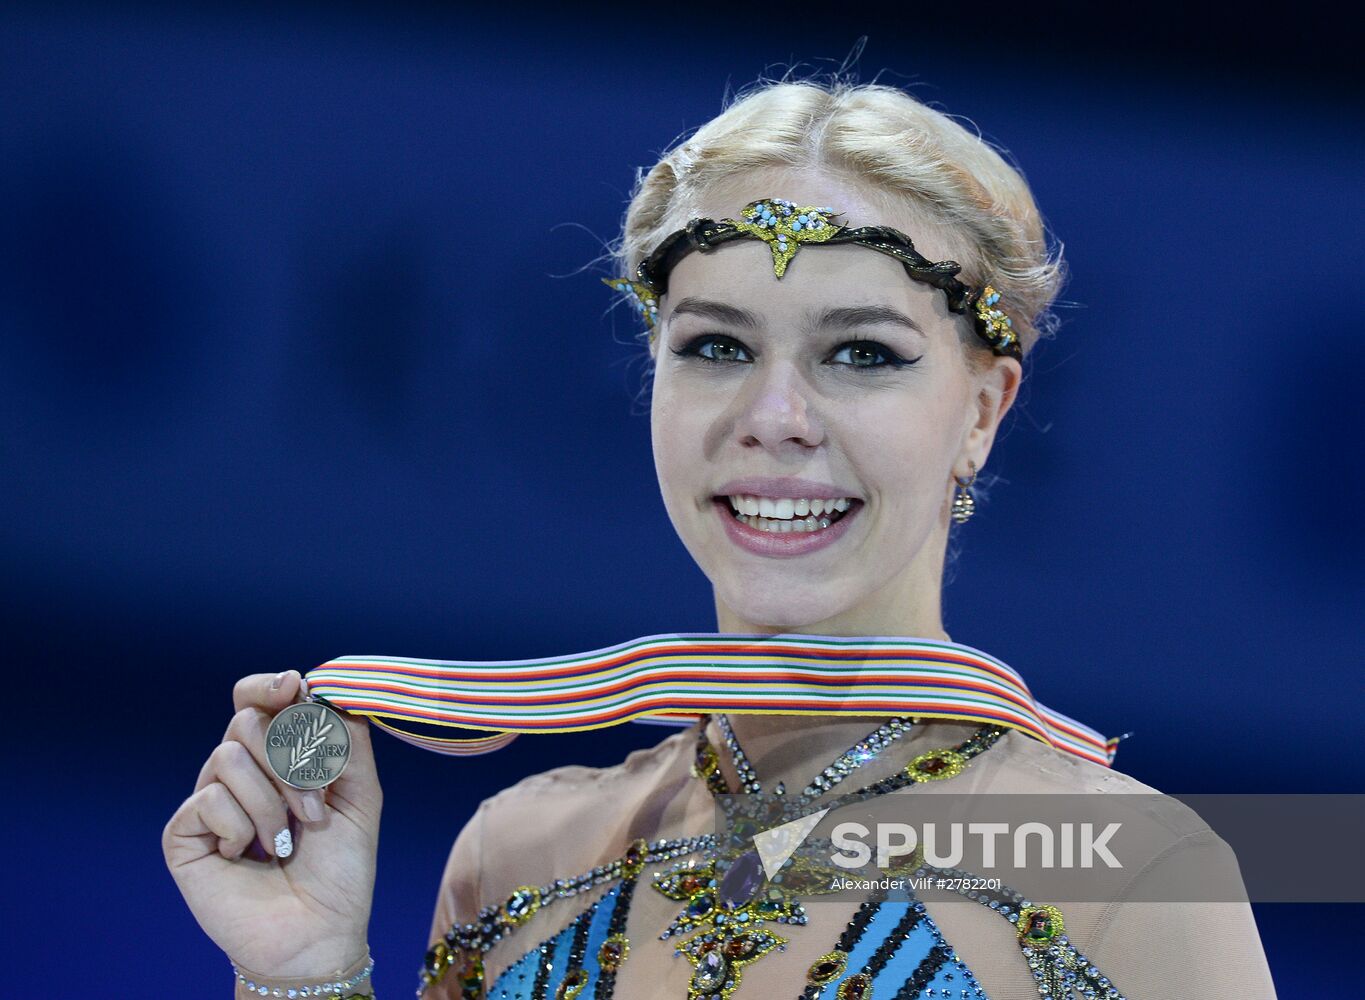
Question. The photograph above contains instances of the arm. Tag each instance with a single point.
(1150, 948)
(457, 901)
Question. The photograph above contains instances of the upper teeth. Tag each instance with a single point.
(783, 508)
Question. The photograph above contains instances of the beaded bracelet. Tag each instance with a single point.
(328, 989)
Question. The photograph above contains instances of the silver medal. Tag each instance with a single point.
(308, 745)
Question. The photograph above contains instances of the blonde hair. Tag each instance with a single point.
(895, 146)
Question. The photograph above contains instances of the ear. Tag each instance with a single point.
(995, 388)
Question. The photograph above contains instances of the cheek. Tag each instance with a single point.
(675, 440)
(906, 454)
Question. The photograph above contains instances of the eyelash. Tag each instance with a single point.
(692, 349)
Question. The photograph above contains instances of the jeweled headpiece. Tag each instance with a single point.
(786, 227)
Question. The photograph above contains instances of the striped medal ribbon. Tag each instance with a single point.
(674, 678)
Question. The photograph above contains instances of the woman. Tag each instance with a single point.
(825, 392)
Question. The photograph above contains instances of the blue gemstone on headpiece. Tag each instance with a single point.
(796, 226)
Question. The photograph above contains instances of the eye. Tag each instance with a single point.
(865, 354)
(713, 347)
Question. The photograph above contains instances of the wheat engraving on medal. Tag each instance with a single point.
(308, 745)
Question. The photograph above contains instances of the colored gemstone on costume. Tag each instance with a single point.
(700, 906)
(572, 985)
(471, 976)
(742, 881)
(743, 828)
(1039, 926)
(711, 973)
(856, 987)
(521, 905)
(633, 861)
(827, 967)
(437, 958)
(740, 947)
(936, 765)
(613, 952)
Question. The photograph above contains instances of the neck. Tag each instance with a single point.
(793, 748)
(909, 605)
(911, 622)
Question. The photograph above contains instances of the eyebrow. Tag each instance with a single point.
(838, 317)
(717, 311)
(847, 317)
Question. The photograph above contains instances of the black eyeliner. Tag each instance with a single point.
(894, 361)
(692, 349)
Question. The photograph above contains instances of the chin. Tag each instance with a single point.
(789, 613)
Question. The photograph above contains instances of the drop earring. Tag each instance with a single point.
(964, 504)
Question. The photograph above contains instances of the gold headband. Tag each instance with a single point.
(786, 227)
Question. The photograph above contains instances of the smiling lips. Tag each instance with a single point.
(783, 527)
(783, 515)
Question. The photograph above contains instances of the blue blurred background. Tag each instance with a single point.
(300, 356)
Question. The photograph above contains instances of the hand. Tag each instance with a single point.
(300, 915)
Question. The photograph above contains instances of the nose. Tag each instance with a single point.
(775, 408)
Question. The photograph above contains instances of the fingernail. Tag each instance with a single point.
(279, 679)
(284, 843)
(312, 806)
(303, 687)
